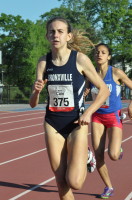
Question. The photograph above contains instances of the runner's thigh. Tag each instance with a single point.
(56, 147)
(77, 145)
(115, 139)
(98, 137)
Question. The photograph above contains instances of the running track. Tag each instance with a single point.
(25, 172)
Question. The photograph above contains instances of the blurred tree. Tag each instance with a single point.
(112, 21)
(22, 43)
(76, 18)
(13, 41)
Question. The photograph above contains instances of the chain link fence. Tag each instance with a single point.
(16, 95)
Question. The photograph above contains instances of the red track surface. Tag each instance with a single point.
(25, 172)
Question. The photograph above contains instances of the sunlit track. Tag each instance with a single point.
(8, 130)
(27, 114)
(32, 126)
(24, 156)
(127, 139)
(32, 189)
(44, 150)
(126, 121)
(20, 121)
(48, 180)
(17, 114)
(122, 141)
(29, 127)
(129, 197)
(25, 168)
(6, 112)
(24, 138)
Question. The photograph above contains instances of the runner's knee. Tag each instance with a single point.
(113, 156)
(75, 183)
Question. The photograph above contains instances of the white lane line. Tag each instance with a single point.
(20, 120)
(31, 126)
(36, 113)
(8, 161)
(22, 138)
(28, 136)
(122, 141)
(39, 185)
(31, 189)
(20, 128)
(6, 112)
(44, 150)
(129, 197)
(18, 158)
(127, 139)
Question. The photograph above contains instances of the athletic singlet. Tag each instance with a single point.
(113, 102)
(65, 87)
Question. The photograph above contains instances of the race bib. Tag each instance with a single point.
(105, 104)
(94, 92)
(61, 98)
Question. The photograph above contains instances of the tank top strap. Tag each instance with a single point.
(72, 59)
(109, 74)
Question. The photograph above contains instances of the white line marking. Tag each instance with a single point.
(44, 150)
(126, 121)
(8, 161)
(122, 141)
(20, 120)
(20, 128)
(127, 139)
(33, 188)
(6, 112)
(129, 197)
(36, 113)
(22, 138)
(39, 185)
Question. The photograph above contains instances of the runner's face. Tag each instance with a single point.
(57, 34)
(102, 55)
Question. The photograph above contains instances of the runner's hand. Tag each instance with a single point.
(84, 119)
(39, 85)
(86, 92)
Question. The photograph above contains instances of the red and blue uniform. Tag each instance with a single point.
(109, 113)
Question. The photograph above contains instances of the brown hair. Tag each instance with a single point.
(80, 41)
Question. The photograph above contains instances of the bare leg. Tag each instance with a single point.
(98, 140)
(77, 157)
(68, 170)
(57, 152)
(115, 139)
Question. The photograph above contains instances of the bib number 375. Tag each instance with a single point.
(61, 98)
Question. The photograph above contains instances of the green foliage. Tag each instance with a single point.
(23, 42)
(77, 19)
(111, 21)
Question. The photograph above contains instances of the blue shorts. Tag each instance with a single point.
(109, 120)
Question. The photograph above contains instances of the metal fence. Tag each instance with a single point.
(16, 95)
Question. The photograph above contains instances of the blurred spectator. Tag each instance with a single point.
(127, 92)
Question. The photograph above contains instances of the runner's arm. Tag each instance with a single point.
(130, 110)
(85, 64)
(38, 84)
